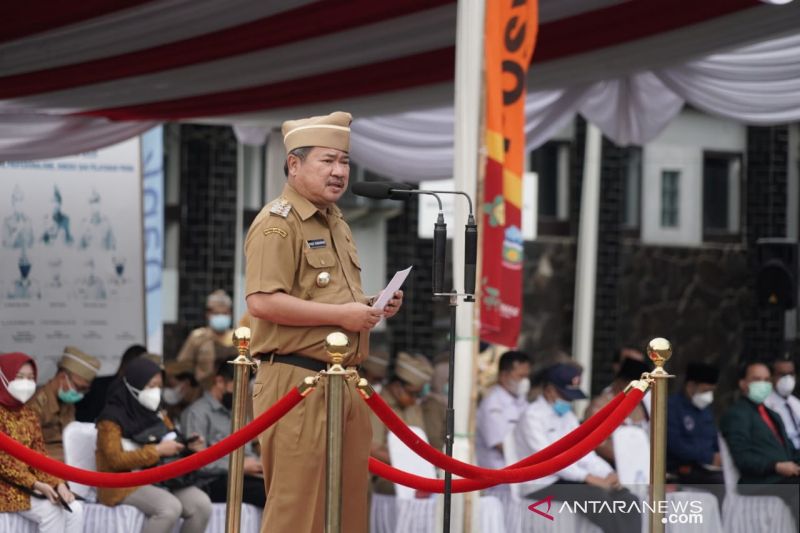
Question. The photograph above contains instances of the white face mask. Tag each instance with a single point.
(523, 388)
(21, 390)
(785, 386)
(703, 399)
(149, 398)
(173, 395)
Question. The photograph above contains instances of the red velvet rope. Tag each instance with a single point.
(541, 469)
(440, 460)
(159, 473)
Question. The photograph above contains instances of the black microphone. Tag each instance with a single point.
(380, 190)
(439, 249)
(470, 256)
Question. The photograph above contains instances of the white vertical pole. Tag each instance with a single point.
(586, 267)
(274, 179)
(468, 88)
(239, 306)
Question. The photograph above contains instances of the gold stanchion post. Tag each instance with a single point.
(336, 344)
(659, 350)
(242, 364)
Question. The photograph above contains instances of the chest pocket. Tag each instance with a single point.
(320, 259)
(354, 259)
(320, 263)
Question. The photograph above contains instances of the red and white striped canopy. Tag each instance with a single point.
(82, 63)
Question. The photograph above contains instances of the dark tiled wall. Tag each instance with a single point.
(767, 149)
(207, 220)
(422, 325)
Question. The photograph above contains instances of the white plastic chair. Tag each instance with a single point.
(414, 515)
(750, 514)
(632, 459)
(80, 442)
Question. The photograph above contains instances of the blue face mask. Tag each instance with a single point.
(758, 391)
(219, 322)
(426, 389)
(561, 407)
(445, 389)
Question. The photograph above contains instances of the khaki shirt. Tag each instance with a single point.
(202, 349)
(54, 417)
(287, 254)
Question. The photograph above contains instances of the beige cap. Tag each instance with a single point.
(377, 364)
(219, 297)
(329, 131)
(79, 363)
(415, 370)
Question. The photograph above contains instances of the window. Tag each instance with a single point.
(670, 198)
(632, 185)
(551, 164)
(722, 178)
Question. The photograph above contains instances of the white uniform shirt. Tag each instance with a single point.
(789, 409)
(497, 415)
(538, 427)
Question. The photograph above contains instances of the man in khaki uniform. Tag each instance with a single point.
(411, 374)
(54, 402)
(303, 281)
(434, 405)
(207, 345)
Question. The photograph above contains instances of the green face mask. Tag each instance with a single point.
(757, 391)
(70, 396)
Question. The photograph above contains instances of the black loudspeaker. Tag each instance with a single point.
(776, 282)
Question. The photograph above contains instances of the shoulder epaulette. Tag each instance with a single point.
(281, 207)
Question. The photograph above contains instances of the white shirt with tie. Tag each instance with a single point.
(789, 409)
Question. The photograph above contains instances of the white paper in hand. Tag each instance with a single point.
(394, 285)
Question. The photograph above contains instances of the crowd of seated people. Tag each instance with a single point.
(150, 413)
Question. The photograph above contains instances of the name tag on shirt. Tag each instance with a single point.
(316, 243)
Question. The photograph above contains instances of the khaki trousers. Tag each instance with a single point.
(293, 455)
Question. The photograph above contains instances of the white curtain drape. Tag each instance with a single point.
(754, 84)
(25, 135)
(757, 84)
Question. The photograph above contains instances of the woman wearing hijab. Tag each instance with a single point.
(35, 495)
(131, 412)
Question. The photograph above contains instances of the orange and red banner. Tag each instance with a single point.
(511, 28)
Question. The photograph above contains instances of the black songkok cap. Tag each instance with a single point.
(702, 373)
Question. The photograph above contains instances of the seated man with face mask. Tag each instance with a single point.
(692, 445)
(402, 394)
(782, 401)
(54, 402)
(210, 417)
(768, 462)
(500, 409)
(590, 478)
(207, 345)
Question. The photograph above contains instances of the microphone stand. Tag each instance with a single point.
(439, 256)
(470, 253)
